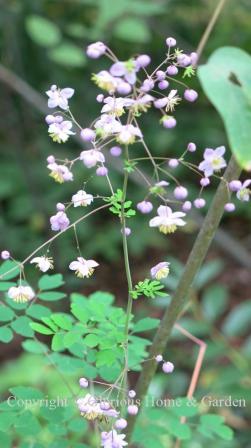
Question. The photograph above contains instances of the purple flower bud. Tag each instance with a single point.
(100, 98)
(191, 147)
(199, 203)
(101, 171)
(194, 58)
(172, 70)
(83, 382)
(105, 405)
(116, 151)
(50, 119)
(159, 358)
(145, 207)
(5, 255)
(58, 119)
(160, 103)
(169, 122)
(131, 393)
(180, 193)
(171, 42)
(173, 163)
(148, 84)
(168, 367)
(121, 423)
(59, 222)
(183, 60)
(229, 207)
(160, 75)
(235, 185)
(143, 60)
(127, 231)
(87, 134)
(190, 95)
(51, 159)
(186, 207)
(132, 409)
(163, 84)
(124, 88)
(95, 50)
(204, 181)
(60, 207)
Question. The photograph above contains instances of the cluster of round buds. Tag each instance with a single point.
(167, 366)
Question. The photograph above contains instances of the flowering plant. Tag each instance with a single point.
(101, 335)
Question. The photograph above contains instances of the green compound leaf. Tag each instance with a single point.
(35, 347)
(26, 393)
(6, 266)
(50, 281)
(39, 328)
(6, 335)
(38, 311)
(148, 323)
(51, 296)
(226, 80)
(22, 326)
(148, 288)
(6, 313)
(62, 320)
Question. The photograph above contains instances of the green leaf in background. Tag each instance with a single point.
(148, 323)
(50, 281)
(6, 335)
(68, 54)
(6, 313)
(26, 393)
(42, 31)
(212, 423)
(7, 266)
(238, 320)
(226, 80)
(51, 296)
(22, 326)
(4, 286)
(32, 346)
(5, 440)
(41, 328)
(57, 343)
(132, 30)
(62, 320)
(91, 340)
(38, 311)
(214, 301)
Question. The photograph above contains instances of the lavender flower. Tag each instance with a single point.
(127, 70)
(213, 161)
(43, 263)
(104, 80)
(21, 294)
(87, 134)
(243, 194)
(167, 220)
(81, 198)
(60, 221)
(145, 207)
(128, 134)
(168, 367)
(95, 50)
(83, 268)
(60, 173)
(91, 157)
(161, 270)
(59, 98)
(107, 125)
(60, 132)
(113, 440)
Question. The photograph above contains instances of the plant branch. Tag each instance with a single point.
(184, 287)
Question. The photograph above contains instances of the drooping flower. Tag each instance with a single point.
(91, 157)
(21, 294)
(83, 268)
(60, 173)
(43, 263)
(161, 270)
(60, 132)
(112, 439)
(107, 125)
(213, 161)
(91, 409)
(145, 207)
(140, 104)
(167, 220)
(60, 221)
(168, 367)
(81, 198)
(128, 134)
(58, 97)
(95, 50)
(244, 192)
(87, 134)
(104, 80)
